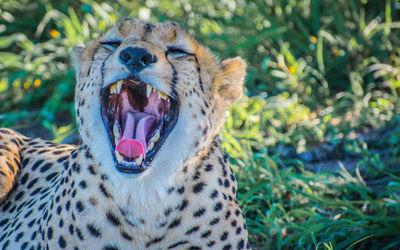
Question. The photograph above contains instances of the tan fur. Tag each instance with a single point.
(67, 197)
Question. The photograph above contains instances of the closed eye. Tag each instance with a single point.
(176, 52)
(111, 45)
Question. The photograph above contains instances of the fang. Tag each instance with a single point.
(119, 86)
(139, 160)
(148, 90)
(162, 95)
(118, 156)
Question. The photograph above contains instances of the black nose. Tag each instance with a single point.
(136, 58)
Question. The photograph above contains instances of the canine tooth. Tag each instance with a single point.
(149, 89)
(116, 140)
(118, 156)
(116, 131)
(156, 136)
(113, 88)
(139, 160)
(119, 86)
(162, 95)
(150, 147)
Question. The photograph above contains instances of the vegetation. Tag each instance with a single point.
(321, 72)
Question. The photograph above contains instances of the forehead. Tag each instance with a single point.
(130, 28)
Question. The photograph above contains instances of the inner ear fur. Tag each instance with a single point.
(229, 85)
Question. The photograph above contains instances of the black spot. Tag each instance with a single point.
(237, 212)
(209, 167)
(110, 247)
(199, 212)
(238, 230)
(75, 167)
(167, 211)
(113, 219)
(154, 241)
(227, 247)
(50, 233)
(211, 243)
(218, 206)
(228, 213)
(24, 178)
(240, 244)
(61, 223)
(170, 190)
(79, 233)
(226, 183)
(192, 230)
(19, 195)
(126, 236)
(3, 222)
(67, 205)
(31, 183)
(59, 209)
(182, 242)
(45, 167)
(197, 188)
(181, 190)
(95, 232)
(19, 236)
(214, 194)
(92, 170)
(51, 176)
(79, 206)
(176, 222)
(33, 236)
(214, 221)
(61, 242)
(104, 191)
(36, 165)
(224, 235)
(183, 205)
(30, 224)
(206, 234)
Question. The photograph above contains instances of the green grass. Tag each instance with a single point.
(320, 72)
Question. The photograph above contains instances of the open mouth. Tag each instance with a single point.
(138, 119)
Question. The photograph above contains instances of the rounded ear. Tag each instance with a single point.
(77, 55)
(229, 85)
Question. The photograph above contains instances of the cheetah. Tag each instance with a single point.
(149, 172)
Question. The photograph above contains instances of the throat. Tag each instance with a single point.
(136, 133)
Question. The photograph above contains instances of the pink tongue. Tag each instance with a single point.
(133, 141)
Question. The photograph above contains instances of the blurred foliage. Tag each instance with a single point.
(319, 71)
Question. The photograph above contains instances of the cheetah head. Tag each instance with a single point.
(149, 97)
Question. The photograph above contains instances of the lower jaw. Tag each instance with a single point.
(130, 170)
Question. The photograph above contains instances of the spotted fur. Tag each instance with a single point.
(71, 197)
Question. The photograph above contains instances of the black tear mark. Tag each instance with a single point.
(199, 72)
(90, 67)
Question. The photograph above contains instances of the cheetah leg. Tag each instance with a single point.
(10, 145)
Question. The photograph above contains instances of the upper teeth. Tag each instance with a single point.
(116, 87)
(148, 90)
(162, 95)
